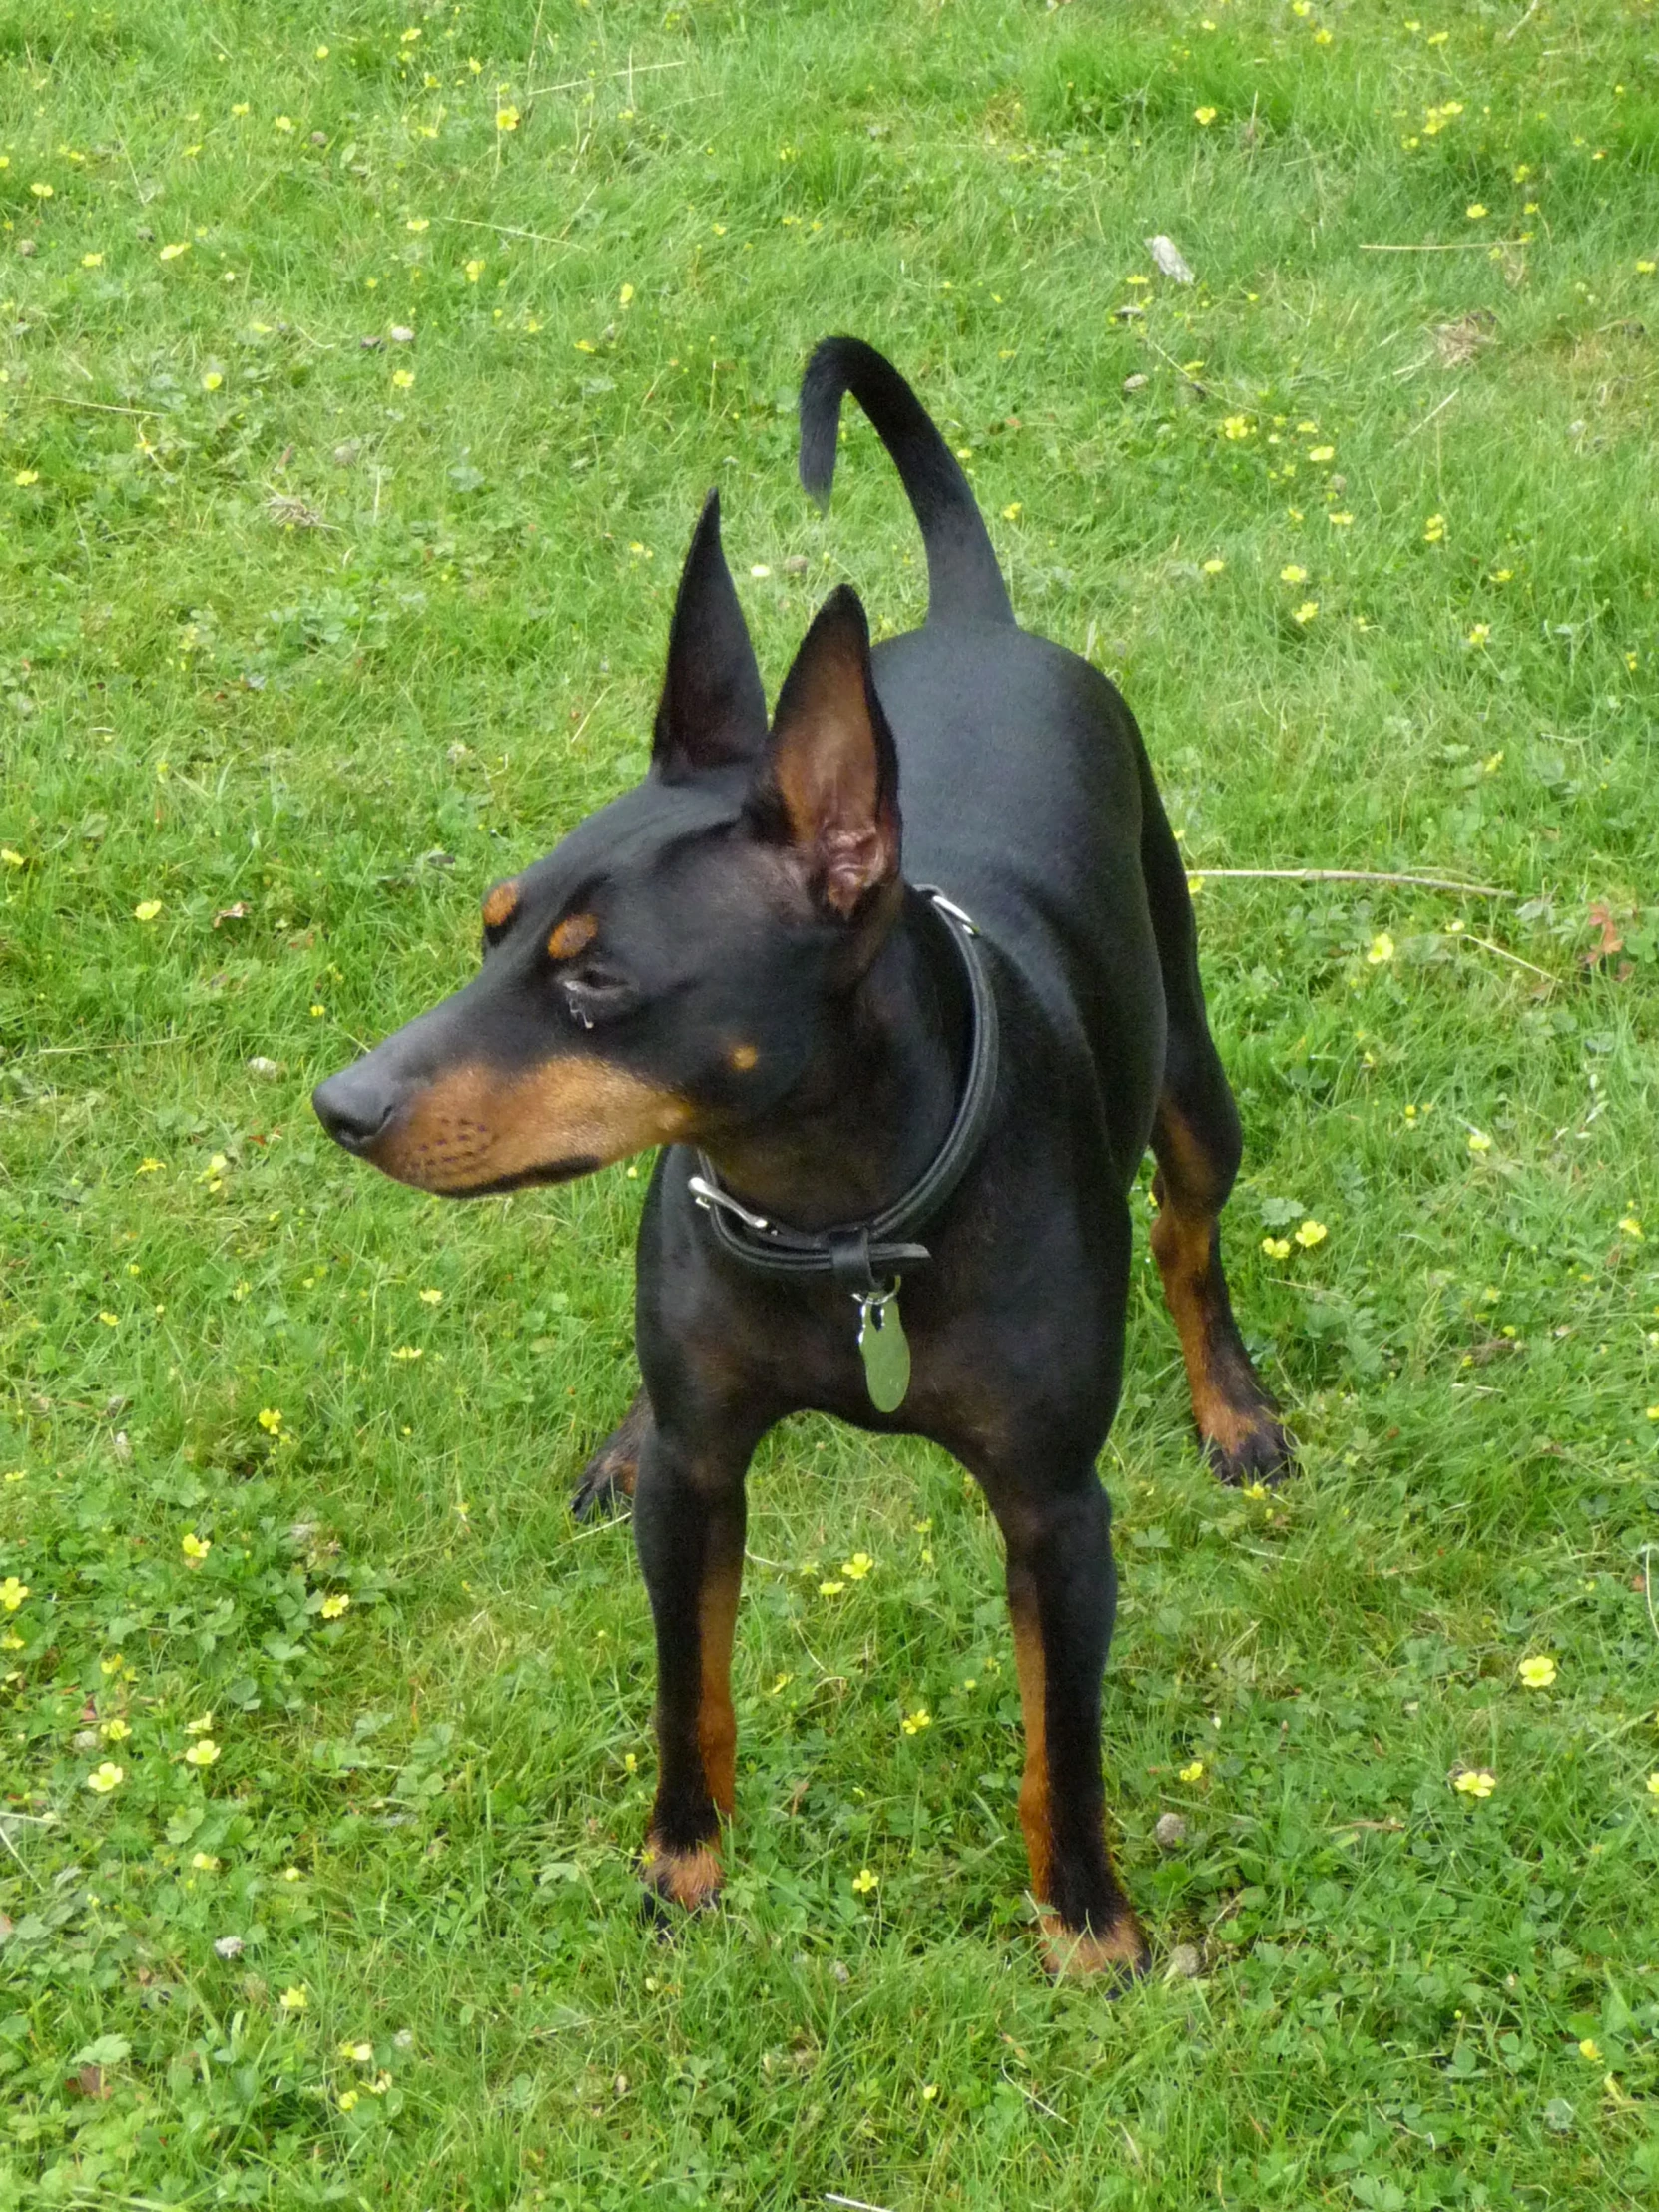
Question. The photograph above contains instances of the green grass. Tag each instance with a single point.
(309, 656)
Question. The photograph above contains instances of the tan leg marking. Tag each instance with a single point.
(1070, 1956)
(1033, 1787)
(717, 1723)
(686, 1877)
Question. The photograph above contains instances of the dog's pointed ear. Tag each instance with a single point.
(712, 710)
(828, 788)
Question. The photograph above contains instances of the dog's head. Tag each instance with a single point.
(662, 975)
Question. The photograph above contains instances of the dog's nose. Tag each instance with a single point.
(353, 1106)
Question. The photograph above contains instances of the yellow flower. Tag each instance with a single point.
(333, 1607)
(283, 123)
(1479, 633)
(360, 2053)
(865, 1880)
(41, 192)
(1477, 1782)
(1213, 567)
(1632, 1226)
(270, 1420)
(1480, 1141)
(475, 269)
(147, 909)
(104, 1777)
(240, 107)
(1653, 1785)
(115, 1731)
(914, 1723)
(779, 1682)
(195, 1549)
(1192, 1773)
(625, 297)
(1236, 426)
(507, 119)
(204, 1862)
(858, 1566)
(431, 1298)
(92, 260)
(212, 381)
(172, 253)
(12, 1593)
(410, 1351)
(1476, 212)
(1538, 1673)
(12, 859)
(830, 1589)
(110, 1320)
(1381, 948)
(318, 1011)
(1306, 611)
(402, 378)
(1277, 1248)
(347, 2100)
(1589, 2048)
(200, 1726)
(1206, 116)
(1014, 509)
(201, 1753)
(1646, 269)
(1322, 452)
(1321, 37)
(148, 1166)
(1309, 1234)
(295, 1999)
(1291, 574)
(1434, 530)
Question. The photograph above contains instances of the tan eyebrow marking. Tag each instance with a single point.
(501, 905)
(742, 1057)
(574, 934)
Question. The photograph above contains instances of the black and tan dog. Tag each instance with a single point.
(856, 1082)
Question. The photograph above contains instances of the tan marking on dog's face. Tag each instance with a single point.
(501, 905)
(574, 934)
(476, 1126)
(742, 1057)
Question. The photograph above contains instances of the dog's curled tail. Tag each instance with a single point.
(964, 583)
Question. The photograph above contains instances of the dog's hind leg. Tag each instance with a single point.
(1197, 1142)
(609, 1475)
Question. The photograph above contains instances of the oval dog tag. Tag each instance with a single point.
(886, 1355)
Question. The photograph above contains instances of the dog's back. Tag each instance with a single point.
(1021, 772)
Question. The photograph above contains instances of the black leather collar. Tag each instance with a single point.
(863, 1257)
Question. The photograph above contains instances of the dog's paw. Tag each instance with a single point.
(606, 1485)
(1118, 1955)
(1252, 1448)
(689, 1878)
(607, 1481)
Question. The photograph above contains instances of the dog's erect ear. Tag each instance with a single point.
(713, 711)
(830, 787)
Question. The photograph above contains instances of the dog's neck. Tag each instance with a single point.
(876, 1100)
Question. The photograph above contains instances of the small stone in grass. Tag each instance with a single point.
(265, 1070)
(1136, 384)
(1185, 1964)
(1170, 1833)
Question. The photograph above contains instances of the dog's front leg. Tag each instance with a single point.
(1061, 1596)
(689, 1517)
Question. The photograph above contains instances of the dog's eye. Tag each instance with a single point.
(594, 995)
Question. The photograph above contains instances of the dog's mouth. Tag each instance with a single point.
(557, 1170)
